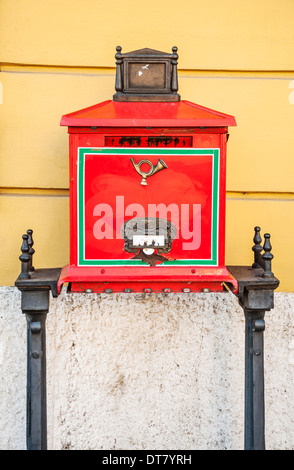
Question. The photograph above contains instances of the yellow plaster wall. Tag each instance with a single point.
(57, 57)
(211, 34)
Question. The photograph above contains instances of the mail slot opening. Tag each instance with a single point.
(148, 141)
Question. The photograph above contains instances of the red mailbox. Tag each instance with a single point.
(147, 186)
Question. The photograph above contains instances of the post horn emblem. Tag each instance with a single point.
(161, 165)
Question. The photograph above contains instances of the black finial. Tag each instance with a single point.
(24, 258)
(31, 249)
(174, 77)
(118, 77)
(257, 248)
(267, 256)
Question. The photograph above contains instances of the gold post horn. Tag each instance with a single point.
(161, 165)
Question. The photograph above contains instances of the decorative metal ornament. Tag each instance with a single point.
(148, 233)
(148, 237)
(161, 165)
(146, 75)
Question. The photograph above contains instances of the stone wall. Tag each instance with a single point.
(145, 371)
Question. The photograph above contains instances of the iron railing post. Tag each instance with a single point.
(35, 286)
(254, 436)
(35, 305)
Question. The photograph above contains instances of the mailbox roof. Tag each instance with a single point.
(147, 114)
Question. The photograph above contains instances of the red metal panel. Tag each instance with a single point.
(146, 131)
(111, 184)
(161, 189)
(156, 279)
(99, 173)
(126, 114)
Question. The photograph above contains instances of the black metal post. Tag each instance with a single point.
(35, 285)
(35, 305)
(254, 436)
(256, 285)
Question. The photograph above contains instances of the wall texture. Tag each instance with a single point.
(147, 372)
(158, 372)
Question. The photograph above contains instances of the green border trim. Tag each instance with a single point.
(82, 151)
